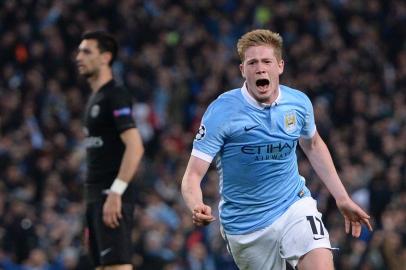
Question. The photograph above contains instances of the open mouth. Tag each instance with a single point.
(262, 82)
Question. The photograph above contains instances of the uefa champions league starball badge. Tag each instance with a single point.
(200, 133)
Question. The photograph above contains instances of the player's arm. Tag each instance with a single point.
(133, 152)
(321, 161)
(192, 192)
(320, 158)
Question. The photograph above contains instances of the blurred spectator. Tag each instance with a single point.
(348, 56)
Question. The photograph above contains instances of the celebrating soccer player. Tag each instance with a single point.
(267, 214)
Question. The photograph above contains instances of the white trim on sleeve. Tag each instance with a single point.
(202, 155)
(311, 134)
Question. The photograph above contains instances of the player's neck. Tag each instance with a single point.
(104, 76)
(269, 101)
(274, 96)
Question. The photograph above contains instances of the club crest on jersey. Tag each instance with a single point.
(200, 133)
(290, 121)
(94, 111)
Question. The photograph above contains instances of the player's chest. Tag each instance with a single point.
(97, 112)
(271, 123)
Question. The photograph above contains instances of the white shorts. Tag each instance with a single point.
(298, 231)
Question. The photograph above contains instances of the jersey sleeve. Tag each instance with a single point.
(121, 109)
(309, 125)
(211, 134)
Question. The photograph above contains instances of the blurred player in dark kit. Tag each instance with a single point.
(114, 150)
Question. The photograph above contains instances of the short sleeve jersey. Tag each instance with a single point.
(255, 149)
(108, 113)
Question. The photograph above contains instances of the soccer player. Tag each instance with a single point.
(114, 149)
(267, 214)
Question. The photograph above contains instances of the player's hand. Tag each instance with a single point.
(202, 215)
(354, 217)
(112, 210)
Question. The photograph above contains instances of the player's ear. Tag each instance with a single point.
(242, 70)
(107, 56)
(281, 65)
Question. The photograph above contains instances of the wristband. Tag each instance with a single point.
(118, 186)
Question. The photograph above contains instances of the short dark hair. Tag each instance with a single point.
(105, 42)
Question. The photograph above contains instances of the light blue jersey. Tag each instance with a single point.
(255, 150)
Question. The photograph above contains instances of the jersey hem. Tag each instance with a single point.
(263, 225)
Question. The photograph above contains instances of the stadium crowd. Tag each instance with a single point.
(176, 57)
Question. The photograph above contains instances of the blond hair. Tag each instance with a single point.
(260, 37)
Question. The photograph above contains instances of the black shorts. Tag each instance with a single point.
(109, 246)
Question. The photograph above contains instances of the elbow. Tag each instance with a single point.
(183, 190)
(136, 148)
(141, 149)
(183, 187)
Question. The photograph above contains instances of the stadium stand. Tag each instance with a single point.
(176, 57)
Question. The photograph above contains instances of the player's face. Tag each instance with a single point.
(89, 58)
(261, 69)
